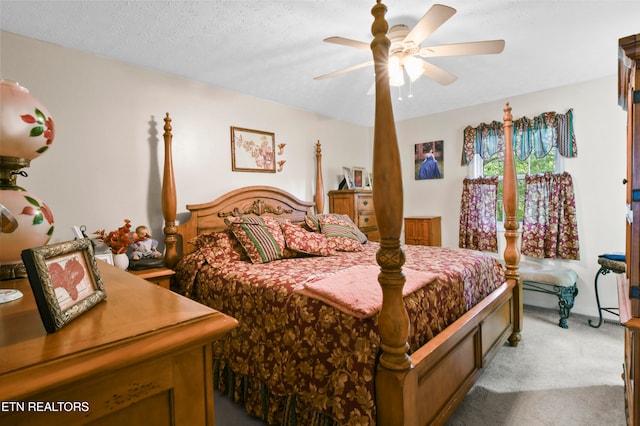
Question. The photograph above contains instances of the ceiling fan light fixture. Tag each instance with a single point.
(405, 45)
(413, 66)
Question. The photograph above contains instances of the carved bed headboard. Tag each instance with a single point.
(251, 200)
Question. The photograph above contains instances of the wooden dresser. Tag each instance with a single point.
(629, 283)
(142, 356)
(422, 230)
(358, 204)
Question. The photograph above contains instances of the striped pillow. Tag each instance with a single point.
(260, 236)
(314, 222)
(341, 234)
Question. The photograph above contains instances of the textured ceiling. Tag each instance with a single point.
(273, 49)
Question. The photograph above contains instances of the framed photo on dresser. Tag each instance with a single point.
(359, 177)
(65, 281)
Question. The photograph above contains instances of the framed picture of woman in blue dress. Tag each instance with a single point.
(429, 160)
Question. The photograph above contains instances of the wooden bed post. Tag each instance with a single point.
(511, 252)
(169, 207)
(393, 376)
(319, 184)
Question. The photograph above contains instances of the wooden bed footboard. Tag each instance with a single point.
(444, 370)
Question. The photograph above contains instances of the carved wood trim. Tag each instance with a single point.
(258, 208)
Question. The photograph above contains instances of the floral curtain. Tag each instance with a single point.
(549, 227)
(478, 214)
(537, 135)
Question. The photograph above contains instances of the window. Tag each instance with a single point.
(532, 165)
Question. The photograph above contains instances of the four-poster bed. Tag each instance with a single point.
(422, 350)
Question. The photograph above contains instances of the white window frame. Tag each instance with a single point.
(475, 169)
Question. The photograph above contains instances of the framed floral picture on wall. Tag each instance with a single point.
(429, 160)
(252, 150)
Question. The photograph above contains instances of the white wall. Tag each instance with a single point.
(600, 128)
(106, 161)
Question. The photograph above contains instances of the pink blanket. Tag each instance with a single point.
(356, 291)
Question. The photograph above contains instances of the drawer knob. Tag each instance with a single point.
(366, 219)
(365, 202)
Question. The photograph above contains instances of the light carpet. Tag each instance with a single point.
(554, 377)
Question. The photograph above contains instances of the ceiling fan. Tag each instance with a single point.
(405, 52)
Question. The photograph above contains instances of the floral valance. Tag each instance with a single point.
(530, 135)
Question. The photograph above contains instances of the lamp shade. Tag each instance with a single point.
(26, 128)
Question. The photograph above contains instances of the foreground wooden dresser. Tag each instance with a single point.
(358, 204)
(142, 356)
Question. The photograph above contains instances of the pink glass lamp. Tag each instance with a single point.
(26, 132)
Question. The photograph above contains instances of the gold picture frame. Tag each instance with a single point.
(252, 150)
(65, 281)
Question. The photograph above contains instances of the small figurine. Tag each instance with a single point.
(144, 245)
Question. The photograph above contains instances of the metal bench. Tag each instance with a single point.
(551, 279)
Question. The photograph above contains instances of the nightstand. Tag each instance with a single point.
(422, 230)
(159, 276)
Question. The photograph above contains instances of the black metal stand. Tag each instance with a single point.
(607, 265)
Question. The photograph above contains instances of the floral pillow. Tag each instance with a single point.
(223, 239)
(341, 234)
(260, 236)
(302, 241)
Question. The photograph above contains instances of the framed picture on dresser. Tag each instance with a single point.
(65, 281)
(348, 177)
(359, 177)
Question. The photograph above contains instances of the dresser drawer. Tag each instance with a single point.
(365, 203)
(367, 220)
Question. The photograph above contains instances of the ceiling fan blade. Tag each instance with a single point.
(431, 21)
(461, 49)
(437, 74)
(348, 42)
(343, 71)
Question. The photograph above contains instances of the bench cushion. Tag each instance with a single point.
(547, 274)
(543, 273)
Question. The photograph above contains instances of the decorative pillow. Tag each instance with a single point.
(314, 223)
(340, 233)
(223, 239)
(306, 242)
(260, 237)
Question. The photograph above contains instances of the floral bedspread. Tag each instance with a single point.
(296, 360)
